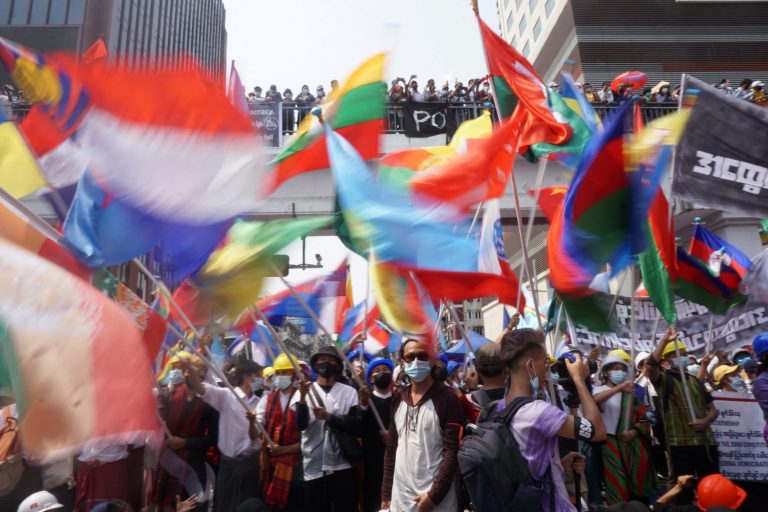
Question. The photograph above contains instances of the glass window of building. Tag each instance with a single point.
(526, 50)
(510, 22)
(20, 14)
(5, 11)
(58, 13)
(523, 24)
(537, 29)
(549, 6)
(39, 14)
(76, 12)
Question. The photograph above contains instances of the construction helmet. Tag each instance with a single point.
(760, 345)
(716, 490)
(41, 501)
(282, 362)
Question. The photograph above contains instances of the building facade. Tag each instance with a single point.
(168, 34)
(595, 40)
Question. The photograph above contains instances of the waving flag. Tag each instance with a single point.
(236, 90)
(550, 199)
(357, 113)
(65, 390)
(658, 264)
(396, 169)
(379, 338)
(96, 51)
(519, 90)
(695, 281)
(725, 261)
(19, 173)
(479, 174)
(355, 319)
(231, 279)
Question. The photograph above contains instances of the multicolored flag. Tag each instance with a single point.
(695, 281)
(19, 172)
(725, 260)
(355, 319)
(67, 351)
(658, 265)
(357, 113)
(550, 199)
(519, 90)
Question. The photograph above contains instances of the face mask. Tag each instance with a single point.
(737, 383)
(257, 384)
(440, 373)
(534, 380)
(175, 376)
(554, 377)
(740, 361)
(693, 369)
(680, 362)
(283, 382)
(617, 376)
(326, 369)
(383, 380)
(417, 370)
(664, 91)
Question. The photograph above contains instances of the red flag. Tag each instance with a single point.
(516, 81)
(550, 199)
(97, 51)
(479, 174)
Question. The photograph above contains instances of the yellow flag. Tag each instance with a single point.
(19, 172)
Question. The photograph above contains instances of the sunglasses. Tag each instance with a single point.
(421, 356)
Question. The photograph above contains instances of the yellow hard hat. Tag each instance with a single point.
(723, 370)
(671, 346)
(268, 372)
(622, 354)
(282, 362)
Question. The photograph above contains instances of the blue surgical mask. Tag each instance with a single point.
(693, 369)
(681, 362)
(737, 383)
(175, 376)
(617, 376)
(534, 381)
(554, 378)
(257, 384)
(417, 370)
(283, 382)
(740, 361)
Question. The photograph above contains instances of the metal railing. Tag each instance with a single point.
(293, 113)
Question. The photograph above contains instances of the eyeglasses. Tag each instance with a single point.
(421, 356)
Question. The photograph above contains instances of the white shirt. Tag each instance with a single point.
(611, 409)
(233, 425)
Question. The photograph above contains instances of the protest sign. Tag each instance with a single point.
(739, 433)
(720, 163)
(427, 119)
(737, 327)
(266, 119)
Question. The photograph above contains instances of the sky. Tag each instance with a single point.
(293, 42)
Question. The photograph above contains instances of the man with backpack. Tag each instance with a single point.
(512, 461)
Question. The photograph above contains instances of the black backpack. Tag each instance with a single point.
(494, 471)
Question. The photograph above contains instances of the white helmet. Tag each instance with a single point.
(41, 501)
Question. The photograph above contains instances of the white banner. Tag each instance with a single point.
(739, 433)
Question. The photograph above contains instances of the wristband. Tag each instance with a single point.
(583, 429)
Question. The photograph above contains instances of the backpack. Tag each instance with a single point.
(11, 463)
(493, 469)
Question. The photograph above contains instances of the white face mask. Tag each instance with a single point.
(283, 382)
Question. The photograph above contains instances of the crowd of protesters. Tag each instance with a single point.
(347, 432)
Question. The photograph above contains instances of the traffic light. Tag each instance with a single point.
(281, 263)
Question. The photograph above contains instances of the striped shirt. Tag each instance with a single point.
(675, 410)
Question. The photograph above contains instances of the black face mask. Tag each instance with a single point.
(439, 373)
(383, 380)
(326, 369)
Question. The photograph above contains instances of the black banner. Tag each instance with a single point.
(428, 119)
(737, 327)
(265, 118)
(722, 158)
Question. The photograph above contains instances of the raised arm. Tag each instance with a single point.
(574, 427)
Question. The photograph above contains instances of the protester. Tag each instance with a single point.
(379, 377)
(491, 374)
(413, 92)
(628, 471)
(760, 383)
(320, 95)
(268, 374)
(41, 501)
(194, 427)
(691, 442)
(257, 94)
(327, 430)
(605, 94)
(713, 492)
(538, 424)
(335, 89)
(758, 96)
(427, 419)
(238, 475)
(281, 475)
(273, 94)
(727, 378)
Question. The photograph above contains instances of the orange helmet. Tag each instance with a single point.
(717, 490)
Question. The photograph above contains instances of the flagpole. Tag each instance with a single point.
(515, 194)
(708, 345)
(343, 359)
(632, 333)
(281, 344)
(209, 360)
(365, 312)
